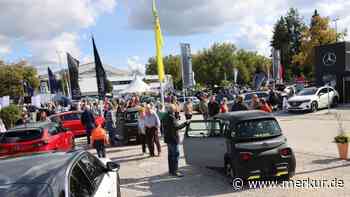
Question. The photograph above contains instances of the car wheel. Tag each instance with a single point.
(335, 102)
(314, 106)
(229, 170)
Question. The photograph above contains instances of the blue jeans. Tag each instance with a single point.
(173, 158)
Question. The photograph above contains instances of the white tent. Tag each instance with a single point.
(136, 86)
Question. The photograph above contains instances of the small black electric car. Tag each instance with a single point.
(248, 144)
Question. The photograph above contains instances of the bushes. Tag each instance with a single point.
(10, 115)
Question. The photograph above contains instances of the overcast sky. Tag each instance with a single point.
(41, 31)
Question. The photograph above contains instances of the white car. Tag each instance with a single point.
(312, 99)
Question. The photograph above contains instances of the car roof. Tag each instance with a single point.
(64, 113)
(44, 168)
(133, 109)
(240, 116)
(33, 125)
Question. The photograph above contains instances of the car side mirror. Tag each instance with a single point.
(112, 166)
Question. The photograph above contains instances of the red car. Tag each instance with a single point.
(36, 137)
(71, 120)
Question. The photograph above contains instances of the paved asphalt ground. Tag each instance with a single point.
(310, 135)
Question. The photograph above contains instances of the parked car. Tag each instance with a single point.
(249, 96)
(58, 174)
(35, 137)
(248, 144)
(71, 120)
(312, 99)
(130, 125)
(195, 102)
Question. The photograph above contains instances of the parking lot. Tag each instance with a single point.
(310, 135)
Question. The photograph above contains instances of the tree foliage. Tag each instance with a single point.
(319, 33)
(12, 77)
(214, 65)
(287, 35)
(10, 115)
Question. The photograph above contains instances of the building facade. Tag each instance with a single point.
(332, 66)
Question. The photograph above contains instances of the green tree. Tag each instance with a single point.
(12, 77)
(172, 66)
(319, 33)
(287, 38)
(215, 64)
(10, 115)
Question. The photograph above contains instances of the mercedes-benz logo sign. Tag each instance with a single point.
(329, 59)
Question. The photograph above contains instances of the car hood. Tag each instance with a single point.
(303, 98)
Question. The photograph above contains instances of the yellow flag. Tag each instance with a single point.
(159, 42)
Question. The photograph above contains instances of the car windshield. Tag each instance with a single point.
(20, 136)
(131, 116)
(258, 128)
(307, 92)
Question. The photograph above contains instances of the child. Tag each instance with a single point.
(99, 139)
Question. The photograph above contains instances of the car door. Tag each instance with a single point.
(79, 183)
(56, 137)
(204, 144)
(105, 183)
(323, 98)
(72, 122)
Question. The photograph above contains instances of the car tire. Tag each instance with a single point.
(335, 102)
(314, 106)
(229, 171)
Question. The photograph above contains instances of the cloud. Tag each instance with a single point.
(249, 21)
(47, 26)
(135, 66)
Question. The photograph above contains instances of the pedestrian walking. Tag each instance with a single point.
(110, 119)
(142, 130)
(99, 139)
(223, 106)
(239, 105)
(255, 104)
(152, 126)
(188, 109)
(203, 107)
(88, 121)
(172, 139)
(264, 106)
(213, 107)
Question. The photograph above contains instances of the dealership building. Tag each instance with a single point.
(332, 66)
(119, 78)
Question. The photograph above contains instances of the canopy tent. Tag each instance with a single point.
(136, 86)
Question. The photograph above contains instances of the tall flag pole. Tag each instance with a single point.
(100, 73)
(73, 69)
(159, 46)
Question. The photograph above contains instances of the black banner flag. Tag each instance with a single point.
(73, 68)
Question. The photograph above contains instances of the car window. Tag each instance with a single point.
(204, 129)
(21, 136)
(79, 183)
(132, 115)
(262, 95)
(248, 97)
(93, 168)
(73, 116)
(56, 119)
(307, 92)
(323, 91)
(257, 128)
(53, 130)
